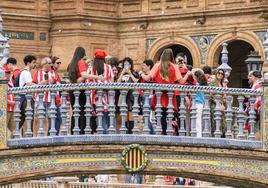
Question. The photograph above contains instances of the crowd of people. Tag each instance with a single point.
(106, 69)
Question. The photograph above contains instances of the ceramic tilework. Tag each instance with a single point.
(3, 114)
(203, 43)
(265, 118)
(233, 167)
(18, 165)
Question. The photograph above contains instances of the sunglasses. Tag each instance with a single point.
(220, 73)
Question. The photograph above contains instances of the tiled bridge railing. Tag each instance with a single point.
(234, 118)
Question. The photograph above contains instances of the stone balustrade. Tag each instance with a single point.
(229, 120)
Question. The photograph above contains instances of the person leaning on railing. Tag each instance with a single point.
(77, 70)
(218, 81)
(165, 72)
(129, 75)
(44, 76)
(201, 79)
(56, 62)
(25, 79)
(147, 65)
(100, 67)
(255, 79)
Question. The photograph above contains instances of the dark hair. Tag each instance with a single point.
(207, 69)
(257, 74)
(98, 65)
(12, 61)
(218, 70)
(72, 69)
(54, 59)
(201, 78)
(114, 61)
(28, 59)
(149, 63)
(130, 62)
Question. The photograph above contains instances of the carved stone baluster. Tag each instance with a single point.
(76, 110)
(88, 110)
(158, 111)
(235, 126)
(206, 116)
(64, 110)
(123, 111)
(41, 115)
(135, 111)
(111, 94)
(17, 115)
(193, 116)
(52, 114)
(182, 131)
(252, 116)
(218, 115)
(170, 112)
(240, 118)
(146, 112)
(229, 116)
(29, 115)
(99, 110)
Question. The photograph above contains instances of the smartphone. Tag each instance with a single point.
(46, 76)
(126, 65)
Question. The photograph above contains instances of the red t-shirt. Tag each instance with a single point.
(82, 67)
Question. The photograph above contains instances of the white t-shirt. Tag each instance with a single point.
(25, 77)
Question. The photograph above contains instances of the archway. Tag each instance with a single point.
(176, 48)
(178, 43)
(238, 50)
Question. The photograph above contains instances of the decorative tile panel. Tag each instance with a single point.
(3, 114)
(203, 43)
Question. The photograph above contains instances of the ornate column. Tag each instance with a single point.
(3, 92)
(264, 120)
(224, 62)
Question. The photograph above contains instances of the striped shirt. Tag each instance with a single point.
(108, 75)
(38, 77)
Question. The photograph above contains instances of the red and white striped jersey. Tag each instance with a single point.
(108, 75)
(38, 77)
(257, 86)
(10, 97)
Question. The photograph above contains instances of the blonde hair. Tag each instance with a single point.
(165, 60)
(45, 61)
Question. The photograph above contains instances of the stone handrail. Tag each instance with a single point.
(127, 86)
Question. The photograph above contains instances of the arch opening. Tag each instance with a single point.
(238, 50)
(176, 48)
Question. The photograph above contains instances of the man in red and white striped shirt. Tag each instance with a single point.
(10, 103)
(256, 85)
(255, 78)
(44, 76)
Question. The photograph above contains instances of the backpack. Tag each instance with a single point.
(17, 80)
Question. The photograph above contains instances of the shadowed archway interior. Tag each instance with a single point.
(238, 50)
(176, 48)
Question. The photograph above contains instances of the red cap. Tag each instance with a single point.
(100, 54)
(6, 69)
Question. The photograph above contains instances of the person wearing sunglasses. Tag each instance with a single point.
(218, 81)
(56, 62)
